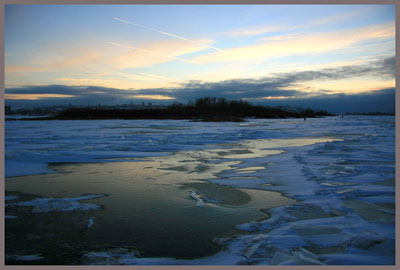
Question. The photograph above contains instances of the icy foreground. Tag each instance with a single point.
(344, 187)
(44, 205)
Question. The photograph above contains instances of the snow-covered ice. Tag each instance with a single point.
(340, 170)
(43, 205)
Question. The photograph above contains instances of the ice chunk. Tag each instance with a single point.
(354, 259)
(289, 262)
(306, 257)
(8, 198)
(91, 222)
(286, 242)
(253, 244)
(329, 240)
(111, 257)
(33, 257)
(10, 217)
(43, 205)
(199, 200)
(280, 257)
(253, 226)
(367, 238)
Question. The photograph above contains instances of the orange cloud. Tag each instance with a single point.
(275, 97)
(79, 60)
(35, 96)
(156, 53)
(159, 97)
(352, 85)
(311, 43)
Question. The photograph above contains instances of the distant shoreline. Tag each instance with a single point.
(209, 118)
(204, 109)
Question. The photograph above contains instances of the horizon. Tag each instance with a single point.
(338, 58)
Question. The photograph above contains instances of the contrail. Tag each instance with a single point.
(152, 52)
(168, 34)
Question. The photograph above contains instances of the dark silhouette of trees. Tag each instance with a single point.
(206, 109)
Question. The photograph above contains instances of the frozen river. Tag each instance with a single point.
(264, 191)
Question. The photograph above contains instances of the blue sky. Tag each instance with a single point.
(152, 52)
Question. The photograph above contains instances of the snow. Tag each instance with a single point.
(332, 166)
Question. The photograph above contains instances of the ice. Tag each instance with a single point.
(199, 200)
(356, 259)
(33, 257)
(44, 205)
(8, 198)
(10, 217)
(329, 240)
(91, 222)
(332, 166)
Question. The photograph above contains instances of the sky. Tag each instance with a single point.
(337, 57)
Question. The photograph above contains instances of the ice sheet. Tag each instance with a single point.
(335, 182)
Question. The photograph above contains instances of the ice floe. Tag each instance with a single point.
(43, 205)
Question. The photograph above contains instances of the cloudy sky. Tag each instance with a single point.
(321, 56)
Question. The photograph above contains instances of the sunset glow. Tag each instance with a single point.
(182, 52)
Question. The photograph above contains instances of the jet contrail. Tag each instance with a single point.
(168, 34)
(152, 52)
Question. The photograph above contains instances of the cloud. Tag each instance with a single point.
(373, 101)
(107, 57)
(157, 97)
(280, 87)
(81, 58)
(266, 29)
(255, 31)
(151, 52)
(385, 68)
(314, 43)
(36, 96)
(168, 34)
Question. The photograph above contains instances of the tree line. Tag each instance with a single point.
(202, 109)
